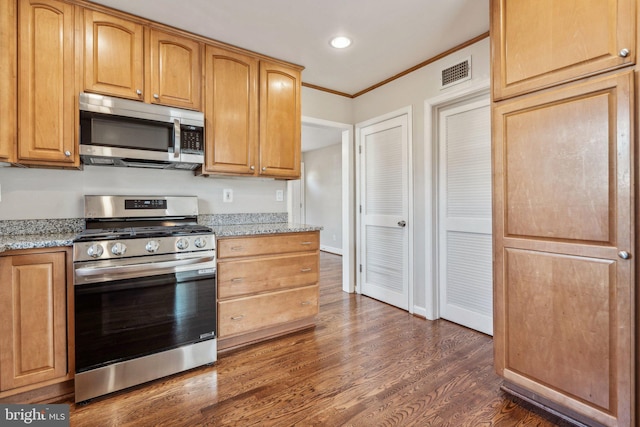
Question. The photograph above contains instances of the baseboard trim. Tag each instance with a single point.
(336, 251)
(548, 406)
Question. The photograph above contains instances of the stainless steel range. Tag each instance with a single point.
(145, 292)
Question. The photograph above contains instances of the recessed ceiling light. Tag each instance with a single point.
(340, 42)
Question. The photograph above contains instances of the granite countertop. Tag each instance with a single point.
(257, 229)
(58, 233)
(33, 241)
(38, 233)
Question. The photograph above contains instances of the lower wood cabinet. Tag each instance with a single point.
(35, 321)
(267, 286)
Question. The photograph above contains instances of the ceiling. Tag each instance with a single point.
(389, 36)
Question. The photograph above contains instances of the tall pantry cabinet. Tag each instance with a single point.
(564, 211)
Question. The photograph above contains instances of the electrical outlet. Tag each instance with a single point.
(279, 195)
(227, 195)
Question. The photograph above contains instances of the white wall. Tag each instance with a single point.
(323, 194)
(326, 106)
(413, 89)
(51, 193)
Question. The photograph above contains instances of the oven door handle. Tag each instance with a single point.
(93, 274)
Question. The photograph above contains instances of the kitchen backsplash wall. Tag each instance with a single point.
(52, 193)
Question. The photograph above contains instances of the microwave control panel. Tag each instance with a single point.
(192, 139)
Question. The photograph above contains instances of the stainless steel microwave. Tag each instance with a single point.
(122, 132)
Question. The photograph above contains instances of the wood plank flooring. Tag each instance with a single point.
(364, 364)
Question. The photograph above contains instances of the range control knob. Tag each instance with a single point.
(95, 251)
(118, 248)
(152, 246)
(200, 242)
(182, 244)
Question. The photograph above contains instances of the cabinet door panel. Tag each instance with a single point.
(256, 312)
(114, 62)
(550, 298)
(8, 81)
(563, 209)
(280, 121)
(545, 42)
(32, 319)
(176, 71)
(231, 112)
(257, 275)
(46, 107)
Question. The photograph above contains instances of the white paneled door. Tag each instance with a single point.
(464, 215)
(384, 205)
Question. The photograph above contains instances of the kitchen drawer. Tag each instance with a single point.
(256, 275)
(267, 245)
(247, 314)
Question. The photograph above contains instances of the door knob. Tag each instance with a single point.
(624, 254)
(624, 53)
(402, 223)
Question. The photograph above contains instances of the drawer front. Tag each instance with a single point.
(248, 314)
(256, 275)
(266, 245)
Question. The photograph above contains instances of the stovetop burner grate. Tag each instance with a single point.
(141, 232)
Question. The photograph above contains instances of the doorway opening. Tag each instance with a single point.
(317, 134)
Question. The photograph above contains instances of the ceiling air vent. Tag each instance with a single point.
(455, 74)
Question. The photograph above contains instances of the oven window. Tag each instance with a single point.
(117, 321)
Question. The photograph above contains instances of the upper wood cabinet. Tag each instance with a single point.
(541, 43)
(252, 108)
(280, 121)
(113, 55)
(115, 58)
(8, 80)
(47, 105)
(231, 112)
(175, 71)
(33, 320)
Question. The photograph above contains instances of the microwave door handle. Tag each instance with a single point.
(176, 138)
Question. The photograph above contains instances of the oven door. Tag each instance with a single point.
(142, 312)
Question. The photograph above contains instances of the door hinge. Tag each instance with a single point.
(360, 268)
(359, 149)
(360, 208)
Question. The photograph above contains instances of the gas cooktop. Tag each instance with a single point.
(98, 234)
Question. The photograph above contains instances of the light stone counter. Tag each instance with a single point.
(257, 229)
(43, 233)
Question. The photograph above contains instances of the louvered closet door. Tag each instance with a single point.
(464, 205)
(385, 207)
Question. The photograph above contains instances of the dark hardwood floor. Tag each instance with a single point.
(365, 364)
